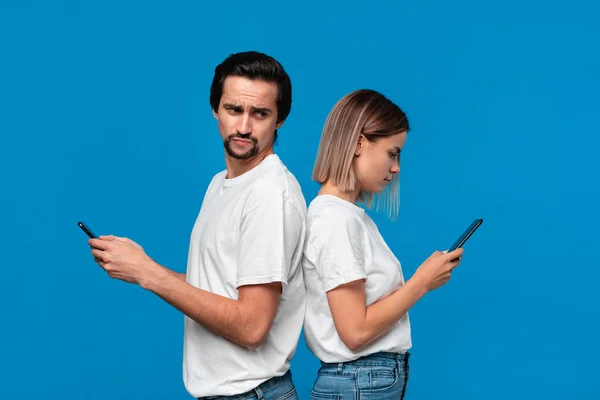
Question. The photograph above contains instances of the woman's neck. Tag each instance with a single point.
(333, 190)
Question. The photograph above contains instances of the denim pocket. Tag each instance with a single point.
(382, 378)
(314, 395)
(289, 395)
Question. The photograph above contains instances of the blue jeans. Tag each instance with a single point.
(379, 376)
(278, 388)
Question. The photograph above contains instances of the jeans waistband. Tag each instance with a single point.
(266, 385)
(375, 358)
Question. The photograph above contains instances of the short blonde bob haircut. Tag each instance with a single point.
(361, 112)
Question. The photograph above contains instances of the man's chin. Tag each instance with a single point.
(241, 156)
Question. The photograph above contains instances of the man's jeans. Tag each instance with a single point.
(279, 388)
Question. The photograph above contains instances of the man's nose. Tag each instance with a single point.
(244, 124)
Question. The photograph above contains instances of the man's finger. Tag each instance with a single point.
(119, 239)
(98, 244)
(97, 254)
(101, 255)
(108, 237)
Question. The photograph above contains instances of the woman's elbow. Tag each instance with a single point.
(354, 340)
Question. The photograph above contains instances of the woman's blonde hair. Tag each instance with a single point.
(371, 114)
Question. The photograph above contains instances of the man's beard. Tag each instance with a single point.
(253, 151)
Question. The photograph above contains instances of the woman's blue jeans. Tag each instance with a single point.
(379, 376)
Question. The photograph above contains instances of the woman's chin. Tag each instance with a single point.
(376, 189)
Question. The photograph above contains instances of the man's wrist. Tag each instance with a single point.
(155, 276)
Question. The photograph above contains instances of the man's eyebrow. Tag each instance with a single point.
(237, 107)
(265, 110)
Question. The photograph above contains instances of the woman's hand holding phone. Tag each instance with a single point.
(436, 270)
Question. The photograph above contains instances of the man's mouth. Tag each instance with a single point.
(242, 141)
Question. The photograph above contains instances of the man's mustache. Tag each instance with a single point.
(246, 136)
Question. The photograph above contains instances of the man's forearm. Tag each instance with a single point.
(175, 274)
(221, 315)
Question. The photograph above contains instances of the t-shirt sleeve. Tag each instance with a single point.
(338, 245)
(269, 236)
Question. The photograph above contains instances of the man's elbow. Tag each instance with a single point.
(256, 336)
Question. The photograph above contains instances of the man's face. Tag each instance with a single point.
(247, 116)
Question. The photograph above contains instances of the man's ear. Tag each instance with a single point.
(279, 124)
(215, 115)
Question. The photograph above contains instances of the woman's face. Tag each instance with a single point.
(378, 161)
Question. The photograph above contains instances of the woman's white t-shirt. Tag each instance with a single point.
(343, 245)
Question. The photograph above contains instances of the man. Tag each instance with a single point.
(243, 295)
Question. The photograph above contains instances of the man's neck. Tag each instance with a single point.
(237, 167)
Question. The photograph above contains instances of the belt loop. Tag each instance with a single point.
(259, 393)
(339, 368)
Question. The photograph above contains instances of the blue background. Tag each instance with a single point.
(104, 117)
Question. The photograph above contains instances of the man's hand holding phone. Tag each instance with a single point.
(124, 259)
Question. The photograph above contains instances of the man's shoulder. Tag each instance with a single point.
(274, 178)
(219, 176)
(277, 181)
(216, 181)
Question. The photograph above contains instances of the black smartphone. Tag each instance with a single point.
(87, 230)
(466, 234)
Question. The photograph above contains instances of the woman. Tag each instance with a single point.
(357, 300)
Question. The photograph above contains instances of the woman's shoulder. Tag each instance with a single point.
(330, 214)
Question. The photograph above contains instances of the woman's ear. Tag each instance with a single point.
(359, 145)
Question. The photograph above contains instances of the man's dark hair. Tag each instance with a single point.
(258, 66)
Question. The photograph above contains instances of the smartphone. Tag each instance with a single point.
(466, 234)
(87, 230)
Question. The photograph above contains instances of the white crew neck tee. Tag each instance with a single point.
(342, 245)
(250, 230)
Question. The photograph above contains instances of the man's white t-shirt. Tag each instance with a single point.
(343, 245)
(250, 230)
